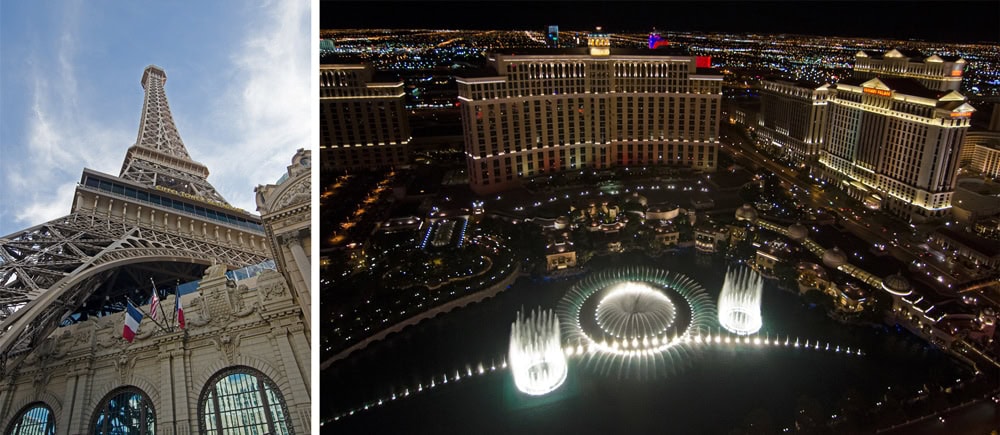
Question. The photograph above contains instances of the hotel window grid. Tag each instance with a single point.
(363, 124)
(905, 151)
(657, 100)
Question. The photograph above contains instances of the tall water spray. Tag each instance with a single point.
(536, 357)
(635, 311)
(739, 302)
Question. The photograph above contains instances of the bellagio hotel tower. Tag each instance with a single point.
(553, 110)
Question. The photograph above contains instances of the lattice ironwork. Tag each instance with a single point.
(159, 157)
(49, 273)
(154, 174)
(156, 127)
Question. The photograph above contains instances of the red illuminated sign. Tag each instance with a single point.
(703, 61)
(879, 92)
(956, 73)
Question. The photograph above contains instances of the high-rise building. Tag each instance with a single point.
(981, 152)
(895, 144)
(552, 37)
(937, 73)
(239, 360)
(793, 117)
(537, 112)
(363, 123)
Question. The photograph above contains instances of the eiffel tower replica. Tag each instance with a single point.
(159, 218)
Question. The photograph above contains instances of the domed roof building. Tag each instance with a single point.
(746, 213)
(797, 232)
(834, 258)
(897, 285)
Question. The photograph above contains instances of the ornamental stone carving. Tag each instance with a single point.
(40, 380)
(228, 345)
(276, 290)
(124, 364)
(299, 192)
(216, 270)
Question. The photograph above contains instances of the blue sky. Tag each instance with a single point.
(238, 83)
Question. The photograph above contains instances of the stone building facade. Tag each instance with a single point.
(252, 331)
(285, 209)
(254, 327)
(240, 363)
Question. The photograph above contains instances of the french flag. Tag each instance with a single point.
(132, 318)
(179, 309)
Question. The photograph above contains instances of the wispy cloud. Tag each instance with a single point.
(58, 204)
(60, 138)
(244, 127)
(269, 104)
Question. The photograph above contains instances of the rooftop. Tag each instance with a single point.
(805, 84)
(901, 85)
(585, 51)
(986, 247)
(911, 86)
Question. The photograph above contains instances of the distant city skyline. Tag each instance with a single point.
(966, 21)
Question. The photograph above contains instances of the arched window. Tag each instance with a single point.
(242, 400)
(34, 419)
(125, 411)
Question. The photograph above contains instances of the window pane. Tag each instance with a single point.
(35, 420)
(126, 411)
(247, 402)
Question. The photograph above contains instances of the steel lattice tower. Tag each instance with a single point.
(160, 219)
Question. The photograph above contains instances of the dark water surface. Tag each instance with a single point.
(714, 394)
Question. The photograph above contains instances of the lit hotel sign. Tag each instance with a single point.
(879, 92)
(960, 114)
(956, 73)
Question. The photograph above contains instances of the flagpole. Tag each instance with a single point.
(177, 295)
(137, 307)
(179, 311)
(161, 305)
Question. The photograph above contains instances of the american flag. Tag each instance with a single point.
(154, 304)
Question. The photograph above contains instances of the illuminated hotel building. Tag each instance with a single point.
(793, 117)
(895, 144)
(363, 124)
(981, 152)
(937, 73)
(557, 110)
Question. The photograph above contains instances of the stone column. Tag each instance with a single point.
(298, 397)
(175, 380)
(294, 243)
(69, 401)
(6, 398)
(77, 396)
(166, 414)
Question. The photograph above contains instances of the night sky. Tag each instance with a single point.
(954, 21)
